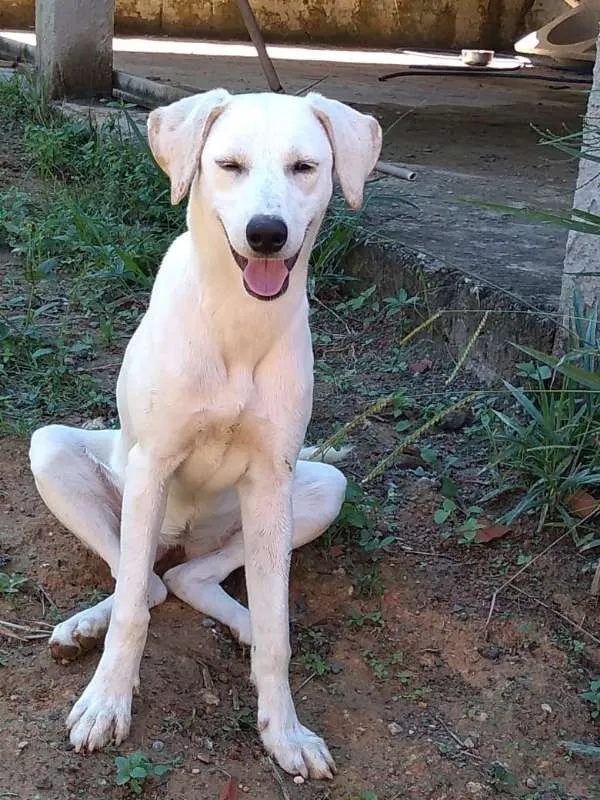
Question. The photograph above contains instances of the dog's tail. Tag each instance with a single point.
(330, 456)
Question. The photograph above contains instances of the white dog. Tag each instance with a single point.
(214, 398)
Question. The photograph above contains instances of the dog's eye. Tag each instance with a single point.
(230, 166)
(303, 166)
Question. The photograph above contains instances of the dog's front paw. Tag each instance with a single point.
(101, 714)
(80, 633)
(298, 750)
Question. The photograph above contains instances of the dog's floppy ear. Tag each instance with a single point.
(177, 134)
(355, 140)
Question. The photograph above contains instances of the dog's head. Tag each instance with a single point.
(264, 165)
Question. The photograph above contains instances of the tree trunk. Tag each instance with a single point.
(582, 258)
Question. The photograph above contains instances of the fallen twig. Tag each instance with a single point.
(457, 739)
(279, 779)
(44, 595)
(206, 677)
(562, 616)
(310, 86)
(304, 682)
(25, 633)
(533, 560)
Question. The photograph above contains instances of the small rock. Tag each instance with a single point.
(546, 708)
(531, 783)
(490, 651)
(474, 788)
(204, 759)
(195, 771)
(158, 745)
(96, 424)
(394, 728)
(454, 421)
(210, 698)
(298, 779)
(468, 742)
(22, 745)
(207, 622)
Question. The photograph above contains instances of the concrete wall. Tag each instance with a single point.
(361, 23)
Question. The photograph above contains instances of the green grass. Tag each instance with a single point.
(544, 448)
(88, 234)
(136, 771)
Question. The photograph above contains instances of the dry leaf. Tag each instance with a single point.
(230, 791)
(424, 365)
(582, 504)
(492, 532)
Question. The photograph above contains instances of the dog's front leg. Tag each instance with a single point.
(104, 709)
(267, 524)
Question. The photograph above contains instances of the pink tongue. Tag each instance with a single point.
(265, 276)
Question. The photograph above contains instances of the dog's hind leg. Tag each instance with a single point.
(73, 476)
(318, 494)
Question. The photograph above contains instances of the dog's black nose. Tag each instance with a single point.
(266, 234)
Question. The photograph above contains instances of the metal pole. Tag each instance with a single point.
(259, 43)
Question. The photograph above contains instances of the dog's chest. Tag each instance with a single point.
(227, 429)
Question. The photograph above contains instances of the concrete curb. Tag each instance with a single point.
(11, 50)
(462, 301)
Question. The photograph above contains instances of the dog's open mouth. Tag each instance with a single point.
(265, 278)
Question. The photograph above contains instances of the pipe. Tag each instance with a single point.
(396, 171)
(259, 43)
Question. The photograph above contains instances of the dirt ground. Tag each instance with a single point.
(392, 661)
(424, 705)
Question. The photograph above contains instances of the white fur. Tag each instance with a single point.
(214, 398)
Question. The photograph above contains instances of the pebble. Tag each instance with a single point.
(468, 742)
(208, 623)
(531, 783)
(474, 788)
(394, 728)
(208, 697)
(22, 745)
(298, 779)
(158, 745)
(195, 771)
(546, 708)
